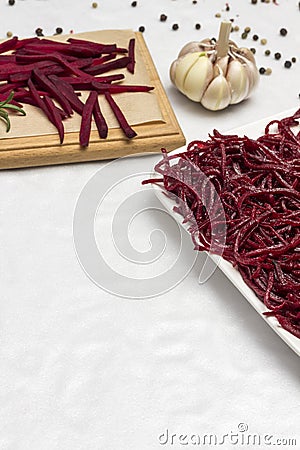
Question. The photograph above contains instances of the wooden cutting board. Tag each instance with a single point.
(42, 150)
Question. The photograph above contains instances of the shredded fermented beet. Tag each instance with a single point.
(258, 183)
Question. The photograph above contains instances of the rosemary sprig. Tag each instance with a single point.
(4, 105)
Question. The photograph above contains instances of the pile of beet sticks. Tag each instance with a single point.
(51, 75)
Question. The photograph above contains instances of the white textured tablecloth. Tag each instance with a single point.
(83, 369)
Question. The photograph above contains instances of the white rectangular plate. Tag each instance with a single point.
(252, 130)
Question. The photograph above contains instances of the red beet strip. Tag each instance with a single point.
(46, 84)
(119, 88)
(85, 83)
(131, 55)
(28, 100)
(67, 90)
(23, 42)
(103, 59)
(100, 120)
(38, 100)
(106, 67)
(86, 121)
(10, 44)
(9, 87)
(102, 48)
(69, 49)
(56, 117)
(258, 183)
(129, 132)
(7, 58)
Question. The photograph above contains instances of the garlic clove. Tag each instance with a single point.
(173, 70)
(190, 47)
(196, 46)
(198, 78)
(206, 45)
(221, 65)
(237, 78)
(246, 53)
(252, 73)
(232, 44)
(253, 76)
(184, 65)
(217, 95)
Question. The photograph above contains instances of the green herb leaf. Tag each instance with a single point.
(4, 116)
(7, 105)
(15, 108)
(9, 99)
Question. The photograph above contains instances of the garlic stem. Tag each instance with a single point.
(223, 40)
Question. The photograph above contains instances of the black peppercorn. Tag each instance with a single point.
(59, 30)
(163, 18)
(287, 64)
(267, 52)
(253, 50)
(133, 4)
(142, 29)
(255, 37)
(194, 2)
(293, 59)
(277, 55)
(11, 2)
(262, 70)
(39, 32)
(244, 35)
(283, 31)
(253, 2)
(197, 26)
(175, 26)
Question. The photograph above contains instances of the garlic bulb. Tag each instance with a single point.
(216, 74)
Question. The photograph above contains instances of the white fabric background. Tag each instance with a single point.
(82, 369)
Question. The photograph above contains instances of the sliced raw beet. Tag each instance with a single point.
(56, 117)
(8, 45)
(38, 100)
(43, 72)
(120, 88)
(67, 90)
(101, 48)
(131, 55)
(100, 120)
(128, 131)
(106, 67)
(46, 84)
(86, 121)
